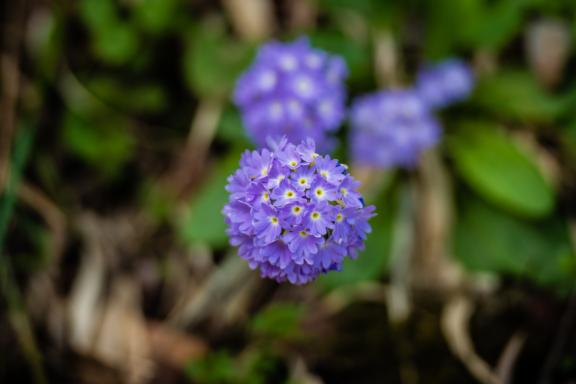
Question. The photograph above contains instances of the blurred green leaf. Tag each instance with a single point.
(105, 145)
(217, 368)
(203, 221)
(231, 128)
(486, 239)
(98, 15)
(156, 16)
(449, 24)
(376, 12)
(212, 61)
(517, 96)
(117, 44)
(137, 98)
(497, 168)
(498, 25)
(278, 321)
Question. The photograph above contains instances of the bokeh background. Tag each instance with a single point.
(117, 135)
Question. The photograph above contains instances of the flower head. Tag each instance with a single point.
(445, 83)
(391, 128)
(301, 226)
(294, 90)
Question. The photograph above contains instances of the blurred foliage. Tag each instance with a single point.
(515, 96)
(223, 368)
(278, 322)
(212, 61)
(203, 221)
(113, 86)
(485, 239)
(140, 67)
(498, 169)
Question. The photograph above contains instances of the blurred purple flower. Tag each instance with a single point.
(284, 228)
(292, 90)
(446, 83)
(391, 128)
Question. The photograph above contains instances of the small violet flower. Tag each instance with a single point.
(391, 128)
(301, 226)
(292, 90)
(446, 83)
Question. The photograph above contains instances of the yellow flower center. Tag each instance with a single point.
(302, 181)
(290, 194)
(324, 174)
(293, 163)
(315, 215)
(344, 191)
(303, 233)
(319, 192)
(264, 171)
(265, 196)
(297, 209)
(339, 217)
(274, 220)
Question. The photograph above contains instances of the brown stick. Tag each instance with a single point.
(12, 33)
(51, 214)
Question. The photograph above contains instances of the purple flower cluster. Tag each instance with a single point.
(445, 83)
(391, 128)
(294, 214)
(292, 90)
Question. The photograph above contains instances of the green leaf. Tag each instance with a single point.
(98, 15)
(137, 98)
(106, 145)
(203, 221)
(278, 321)
(486, 239)
(217, 367)
(517, 96)
(117, 44)
(212, 61)
(498, 25)
(497, 168)
(448, 24)
(156, 16)
(231, 128)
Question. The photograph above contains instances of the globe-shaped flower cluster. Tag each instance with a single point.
(294, 214)
(292, 90)
(443, 84)
(391, 128)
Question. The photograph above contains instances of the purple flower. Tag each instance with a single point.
(330, 170)
(307, 151)
(331, 255)
(256, 165)
(266, 224)
(294, 90)
(446, 83)
(303, 245)
(284, 228)
(321, 190)
(341, 227)
(294, 213)
(286, 193)
(391, 128)
(319, 218)
(303, 178)
(348, 193)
